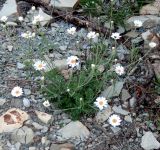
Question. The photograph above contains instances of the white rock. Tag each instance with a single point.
(46, 17)
(26, 102)
(74, 129)
(2, 101)
(37, 126)
(44, 117)
(23, 135)
(27, 91)
(104, 114)
(113, 90)
(128, 119)
(115, 129)
(10, 47)
(12, 119)
(132, 102)
(20, 65)
(149, 142)
(64, 3)
(9, 8)
(119, 110)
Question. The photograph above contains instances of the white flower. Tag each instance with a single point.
(20, 18)
(138, 23)
(73, 61)
(152, 44)
(68, 90)
(101, 102)
(16, 91)
(28, 35)
(71, 30)
(39, 65)
(92, 35)
(42, 78)
(4, 18)
(114, 120)
(33, 8)
(46, 103)
(115, 36)
(119, 70)
(37, 19)
(93, 66)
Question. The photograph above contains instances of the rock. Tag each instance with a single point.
(149, 10)
(63, 48)
(27, 91)
(103, 115)
(119, 110)
(143, 19)
(113, 90)
(46, 18)
(9, 8)
(125, 95)
(32, 148)
(74, 129)
(26, 102)
(64, 3)
(23, 135)
(2, 101)
(44, 117)
(146, 35)
(132, 34)
(10, 47)
(128, 119)
(149, 142)
(65, 146)
(157, 100)
(115, 129)
(37, 126)
(132, 102)
(12, 119)
(156, 68)
(20, 65)
(10, 23)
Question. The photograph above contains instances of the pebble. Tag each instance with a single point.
(26, 102)
(2, 101)
(27, 91)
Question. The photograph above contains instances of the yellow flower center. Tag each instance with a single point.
(114, 120)
(40, 65)
(17, 92)
(101, 103)
(73, 61)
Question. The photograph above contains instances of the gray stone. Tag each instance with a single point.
(20, 65)
(149, 142)
(37, 125)
(125, 95)
(10, 23)
(2, 101)
(74, 129)
(27, 91)
(63, 48)
(64, 3)
(132, 102)
(119, 110)
(8, 9)
(128, 119)
(10, 47)
(144, 19)
(46, 18)
(23, 135)
(115, 129)
(65, 146)
(26, 102)
(104, 114)
(113, 90)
